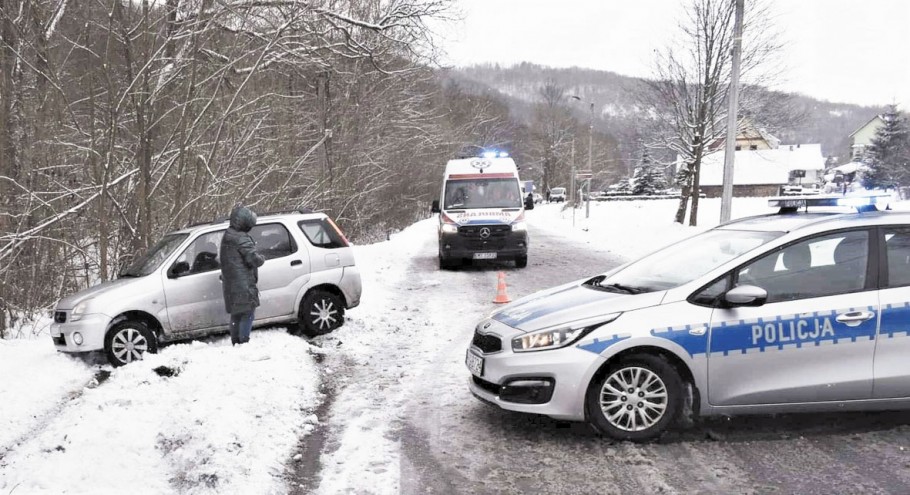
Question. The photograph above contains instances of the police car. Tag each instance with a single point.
(802, 310)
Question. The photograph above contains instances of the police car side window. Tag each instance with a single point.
(709, 295)
(821, 266)
(897, 244)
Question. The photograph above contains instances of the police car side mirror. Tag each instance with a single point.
(435, 207)
(745, 295)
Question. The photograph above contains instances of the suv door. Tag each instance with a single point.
(814, 338)
(892, 366)
(285, 271)
(192, 287)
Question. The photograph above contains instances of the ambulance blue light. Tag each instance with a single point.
(489, 154)
(857, 201)
(503, 154)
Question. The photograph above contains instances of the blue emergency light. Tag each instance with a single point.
(494, 154)
(790, 204)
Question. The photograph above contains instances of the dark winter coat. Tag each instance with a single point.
(240, 263)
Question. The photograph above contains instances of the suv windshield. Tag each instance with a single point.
(482, 193)
(151, 260)
(558, 190)
(684, 261)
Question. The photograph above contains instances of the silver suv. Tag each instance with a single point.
(173, 292)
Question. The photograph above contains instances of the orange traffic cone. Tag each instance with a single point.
(501, 296)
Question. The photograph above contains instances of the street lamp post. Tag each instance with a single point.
(590, 159)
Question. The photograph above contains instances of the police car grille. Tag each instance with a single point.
(59, 316)
(487, 343)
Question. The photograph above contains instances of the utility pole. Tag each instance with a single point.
(572, 182)
(726, 201)
(590, 161)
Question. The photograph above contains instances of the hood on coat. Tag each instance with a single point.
(242, 219)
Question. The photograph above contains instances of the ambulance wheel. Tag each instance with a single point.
(521, 261)
(636, 398)
(448, 263)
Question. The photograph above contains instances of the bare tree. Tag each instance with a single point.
(687, 97)
(121, 120)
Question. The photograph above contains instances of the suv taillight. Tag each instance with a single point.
(339, 232)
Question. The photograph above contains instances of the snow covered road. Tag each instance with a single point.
(381, 406)
(404, 422)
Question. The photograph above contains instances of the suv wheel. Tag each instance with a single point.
(320, 313)
(636, 399)
(521, 261)
(128, 341)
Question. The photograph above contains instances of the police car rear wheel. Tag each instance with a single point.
(636, 399)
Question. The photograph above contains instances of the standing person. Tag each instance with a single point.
(239, 273)
(548, 195)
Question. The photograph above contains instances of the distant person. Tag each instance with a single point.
(239, 273)
(548, 195)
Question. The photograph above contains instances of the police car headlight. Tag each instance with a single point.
(519, 227)
(78, 311)
(450, 228)
(554, 338)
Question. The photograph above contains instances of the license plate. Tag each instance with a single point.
(474, 363)
(484, 256)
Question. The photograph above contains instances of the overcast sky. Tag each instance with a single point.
(855, 51)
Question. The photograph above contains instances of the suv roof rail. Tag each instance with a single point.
(302, 209)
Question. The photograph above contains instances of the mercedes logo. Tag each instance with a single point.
(484, 232)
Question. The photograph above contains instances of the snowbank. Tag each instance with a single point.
(196, 418)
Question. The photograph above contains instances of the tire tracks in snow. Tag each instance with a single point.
(98, 378)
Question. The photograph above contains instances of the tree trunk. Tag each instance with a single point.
(684, 197)
(693, 213)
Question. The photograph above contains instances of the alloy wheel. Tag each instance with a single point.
(633, 399)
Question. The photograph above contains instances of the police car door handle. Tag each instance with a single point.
(854, 318)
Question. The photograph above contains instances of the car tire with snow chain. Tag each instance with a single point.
(636, 399)
(128, 341)
(320, 313)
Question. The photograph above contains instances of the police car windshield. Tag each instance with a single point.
(686, 261)
(482, 193)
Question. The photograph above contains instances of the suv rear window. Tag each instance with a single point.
(323, 233)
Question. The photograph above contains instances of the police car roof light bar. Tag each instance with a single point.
(862, 203)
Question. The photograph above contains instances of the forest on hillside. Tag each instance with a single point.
(618, 110)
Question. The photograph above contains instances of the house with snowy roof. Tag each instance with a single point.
(861, 138)
(761, 172)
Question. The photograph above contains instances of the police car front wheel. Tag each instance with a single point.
(636, 399)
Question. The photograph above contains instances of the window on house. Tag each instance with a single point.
(753, 147)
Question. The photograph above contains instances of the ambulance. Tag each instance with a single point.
(482, 211)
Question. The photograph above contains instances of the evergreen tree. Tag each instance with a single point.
(889, 152)
(624, 186)
(648, 178)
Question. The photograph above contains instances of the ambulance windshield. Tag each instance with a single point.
(482, 193)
